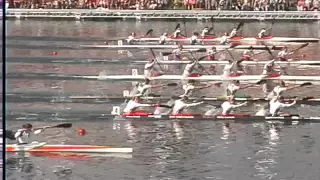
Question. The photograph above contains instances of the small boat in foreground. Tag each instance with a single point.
(43, 147)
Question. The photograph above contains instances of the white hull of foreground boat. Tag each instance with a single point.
(302, 62)
(43, 147)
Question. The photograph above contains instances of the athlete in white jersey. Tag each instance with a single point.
(190, 87)
(224, 39)
(176, 33)
(276, 106)
(189, 68)
(165, 109)
(194, 39)
(248, 54)
(262, 33)
(233, 33)
(180, 105)
(227, 70)
(131, 38)
(177, 53)
(204, 32)
(148, 68)
(135, 104)
(211, 53)
(269, 68)
(22, 135)
(282, 55)
(163, 39)
(229, 105)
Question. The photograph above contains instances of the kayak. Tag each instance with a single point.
(44, 147)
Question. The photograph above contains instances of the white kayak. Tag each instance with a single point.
(203, 77)
(237, 39)
(43, 147)
(219, 47)
(302, 62)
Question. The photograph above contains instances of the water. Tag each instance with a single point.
(162, 149)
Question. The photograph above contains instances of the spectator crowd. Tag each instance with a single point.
(239, 5)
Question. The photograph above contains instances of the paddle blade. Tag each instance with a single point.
(172, 84)
(307, 98)
(201, 50)
(166, 53)
(240, 25)
(262, 81)
(10, 135)
(149, 32)
(211, 29)
(306, 84)
(177, 26)
(64, 125)
(38, 131)
(202, 58)
(302, 46)
(154, 95)
(164, 106)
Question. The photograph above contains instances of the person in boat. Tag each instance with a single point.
(224, 39)
(205, 32)
(21, 135)
(233, 33)
(194, 39)
(233, 67)
(148, 67)
(190, 87)
(280, 88)
(248, 54)
(163, 39)
(269, 68)
(276, 104)
(190, 67)
(234, 86)
(144, 88)
(177, 53)
(211, 53)
(282, 55)
(177, 33)
(262, 32)
(165, 109)
(181, 104)
(134, 104)
(229, 105)
(131, 38)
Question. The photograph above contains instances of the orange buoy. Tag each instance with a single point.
(81, 132)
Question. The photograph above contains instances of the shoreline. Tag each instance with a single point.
(199, 15)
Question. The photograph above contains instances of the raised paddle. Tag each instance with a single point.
(177, 26)
(232, 45)
(149, 32)
(154, 56)
(198, 63)
(63, 125)
(302, 46)
(240, 25)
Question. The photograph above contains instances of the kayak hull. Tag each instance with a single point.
(67, 148)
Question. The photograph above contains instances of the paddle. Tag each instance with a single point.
(10, 135)
(154, 56)
(149, 32)
(302, 46)
(185, 27)
(177, 26)
(232, 45)
(63, 125)
(198, 63)
(240, 25)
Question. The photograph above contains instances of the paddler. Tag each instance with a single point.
(177, 33)
(230, 104)
(224, 39)
(163, 38)
(248, 54)
(189, 69)
(280, 88)
(164, 109)
(21, 135)
(282, 55)
(190, 87)
(177, 53)
(181, 104)
(194, 39)
(276, 104)
(131, 38)
(144, 88)
(233, 33)
(262, 33)
(204, 32)
(233, 67)
(211, 53)
(148, 67)
(234, 86)
(134, 104)
(269, 68)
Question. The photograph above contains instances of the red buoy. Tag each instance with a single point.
(81, 132)
(106, 43)
(54, 53)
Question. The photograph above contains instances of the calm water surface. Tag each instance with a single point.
(162, 149)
